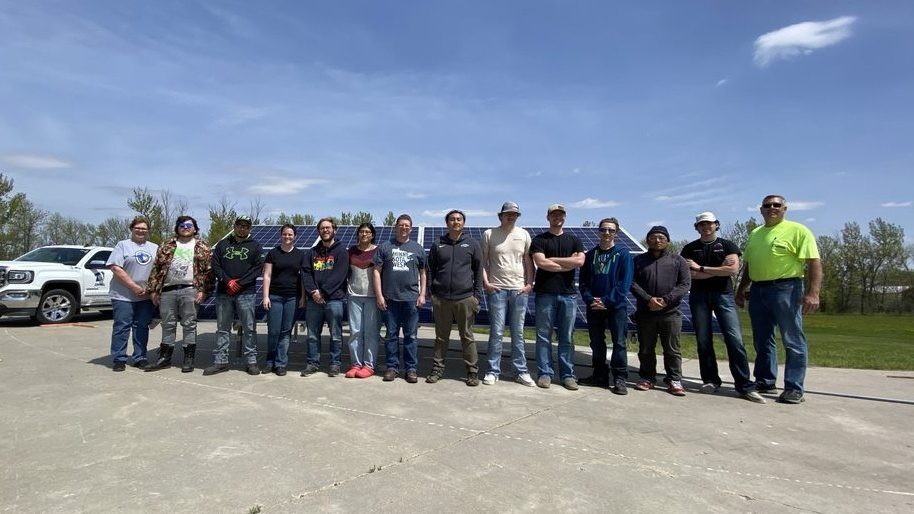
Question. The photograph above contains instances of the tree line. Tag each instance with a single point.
(864, 272)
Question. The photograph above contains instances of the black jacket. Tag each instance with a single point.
(326, 269)
(666, 276)
(455, 268)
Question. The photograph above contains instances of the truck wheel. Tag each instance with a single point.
(56, 306)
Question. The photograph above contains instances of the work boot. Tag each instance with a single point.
(164, 360)
(190, 351)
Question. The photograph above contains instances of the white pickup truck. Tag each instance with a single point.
(54, 283)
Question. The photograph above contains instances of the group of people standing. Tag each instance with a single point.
(388, 281)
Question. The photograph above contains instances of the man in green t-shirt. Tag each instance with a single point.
(779, 256)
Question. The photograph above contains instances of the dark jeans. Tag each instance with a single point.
(703, 303)
(616, 320)
(667, 327)
(778, 305)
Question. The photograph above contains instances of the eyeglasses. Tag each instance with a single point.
(363, 232)
(607, 230)
(186, 225)
(772, 205)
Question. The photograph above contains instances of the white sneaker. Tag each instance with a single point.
(525, 379)
(490, 379)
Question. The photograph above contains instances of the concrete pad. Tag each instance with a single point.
(76, 437)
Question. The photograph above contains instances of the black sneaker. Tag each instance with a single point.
(334, 371)
(764, 388)
(594, 381)
(280, 371)
(791, 396)
(140, 364)
(619, 387)
(309, 370)
(119, 366)
(472, 379)
(215, 368)
(253, 369)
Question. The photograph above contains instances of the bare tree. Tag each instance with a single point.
(221, 218)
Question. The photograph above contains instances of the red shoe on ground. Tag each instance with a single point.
(365, 372)
(353, 371)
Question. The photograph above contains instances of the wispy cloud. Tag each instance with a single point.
(416, 195)
(34, 162)
(804, 206)
(593, 203)
(721, 82)
(474, 213)
(896, 204)
(275, 186)
(801, 38)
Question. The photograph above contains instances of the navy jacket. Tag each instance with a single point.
(613, 284)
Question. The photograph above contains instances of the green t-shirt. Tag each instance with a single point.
(780, 251)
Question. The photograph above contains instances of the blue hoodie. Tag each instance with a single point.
(607, 274)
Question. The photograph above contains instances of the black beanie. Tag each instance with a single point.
(658, 229)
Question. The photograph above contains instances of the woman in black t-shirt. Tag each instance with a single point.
(281, 297)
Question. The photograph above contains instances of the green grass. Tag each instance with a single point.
(835, 341)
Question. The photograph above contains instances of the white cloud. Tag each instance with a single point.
(804, 206)
(535, 174)
(469, 213)
(801, 38)
(809, 220)
(593, 203)
(34, 162)
(275, 186)
(721, 82)
(897, 204)
(416, 196)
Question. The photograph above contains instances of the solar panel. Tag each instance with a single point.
(268, 236)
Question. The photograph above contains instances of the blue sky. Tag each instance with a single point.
(647, 111)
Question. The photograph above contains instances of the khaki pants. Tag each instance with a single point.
(447, 312)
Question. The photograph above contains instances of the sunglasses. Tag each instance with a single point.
(608, 230)
(185, 225)
(772, 205)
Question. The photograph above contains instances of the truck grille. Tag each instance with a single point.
(2, 276)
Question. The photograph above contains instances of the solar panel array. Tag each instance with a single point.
(268, 237)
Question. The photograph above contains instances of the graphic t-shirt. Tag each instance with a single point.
(711, 254)
(181, 271)
(361, 267)
(400, 265)
(136, 260)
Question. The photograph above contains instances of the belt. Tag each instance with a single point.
(763, 283)
(176, 287)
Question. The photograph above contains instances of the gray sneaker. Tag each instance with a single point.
(619, 387)
(525, 379)
(334, 371)
(791, 396)
(753, 397)
(309, 370)
(544, 381)
(570, 383)
(708, 388)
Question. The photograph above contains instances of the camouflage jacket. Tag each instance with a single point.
(204, 280)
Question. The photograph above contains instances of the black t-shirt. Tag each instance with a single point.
(711, 254)
(551, 245)
(285, 279)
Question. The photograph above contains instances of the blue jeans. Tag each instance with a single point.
(703, 303)
(616, 320)
(779, 304)
(315, 315)
(555, 311)
(280, 319)
(135, 317)
(403, 315)
(512, 304)
(364, 331)
(226, 308)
